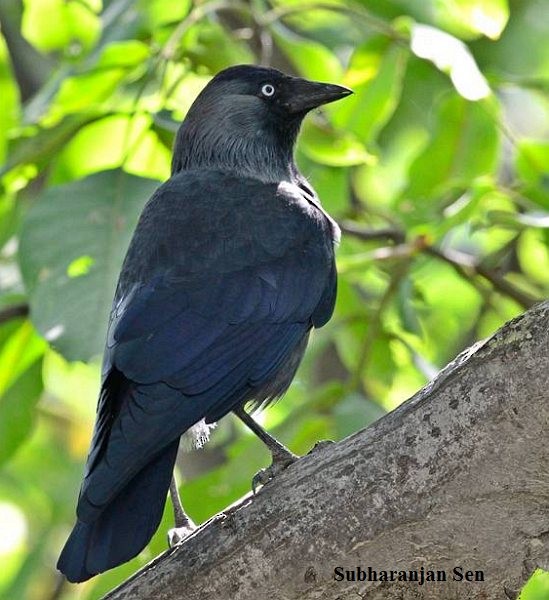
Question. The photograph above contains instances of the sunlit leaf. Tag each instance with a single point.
(185, 88)
(451, 56)
(22, 348)
(86, 93)
(114, 141)
(465, 17)
(333, 148)
(375, 74)
(20, 386)
(537, 587)
(126, 53)
(68, 22)
(533, 254)
(9, 99)
(75, 384)
(157, 13)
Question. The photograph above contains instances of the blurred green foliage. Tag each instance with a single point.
(437, 168)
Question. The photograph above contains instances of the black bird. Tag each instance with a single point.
(230, 267)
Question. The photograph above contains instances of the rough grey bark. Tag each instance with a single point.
(456, 476)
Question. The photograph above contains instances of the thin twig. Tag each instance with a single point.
(269, 18)
(465, 265)
(198, 13)
(13, 312)
(280, 12)
(368, 235)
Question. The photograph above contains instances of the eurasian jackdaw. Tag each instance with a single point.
(229, 269)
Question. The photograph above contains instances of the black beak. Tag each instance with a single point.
(304, 95)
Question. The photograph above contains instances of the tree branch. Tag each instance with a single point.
(455, 477)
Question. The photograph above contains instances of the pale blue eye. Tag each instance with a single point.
(268, 90)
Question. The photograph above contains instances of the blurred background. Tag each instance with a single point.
(437, 170)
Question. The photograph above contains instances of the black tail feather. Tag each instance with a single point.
(126, 525)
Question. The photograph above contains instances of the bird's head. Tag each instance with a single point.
(247, 119)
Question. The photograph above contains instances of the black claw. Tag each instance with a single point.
(280, 463)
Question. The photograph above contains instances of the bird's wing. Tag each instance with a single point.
(217, 267)
(223, 279)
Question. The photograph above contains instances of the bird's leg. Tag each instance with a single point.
(282, 457)
(184, 525)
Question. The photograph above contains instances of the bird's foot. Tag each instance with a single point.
(282, 459)
(177, 534)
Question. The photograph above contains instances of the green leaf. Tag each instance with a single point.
(9, 213)
(451, 56)
(326, 146)
(450, 306)
(469, 17)
(406, 295)
(126, 53)
(532, 161)
(533, 255)
(532, 164)
(311, 59)
(17, 410)
(375, 74)
(89, 92)
(9, 99)
(111, 142)
(93, 217)
(207, 44)
(157, 13)
(537, 587)
(464, 147)
(56, 24)
(74, 384)
(22, 348)
(20, 384)
(40, 144)
(522, 54)
(331, 184)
